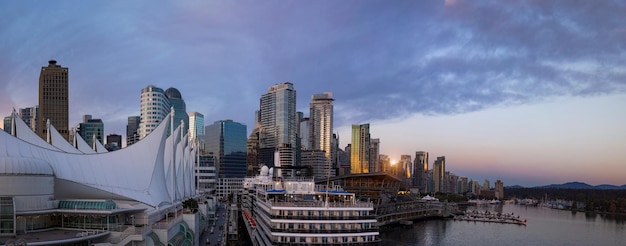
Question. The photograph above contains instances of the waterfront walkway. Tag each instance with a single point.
(393, 213)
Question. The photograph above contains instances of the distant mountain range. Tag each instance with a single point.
(577, 185)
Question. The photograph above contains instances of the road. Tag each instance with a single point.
(217, 237)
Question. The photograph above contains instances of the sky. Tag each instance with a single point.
(528, 92)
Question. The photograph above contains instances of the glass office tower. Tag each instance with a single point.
(226, 140)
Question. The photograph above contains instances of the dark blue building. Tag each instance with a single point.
(226, 140)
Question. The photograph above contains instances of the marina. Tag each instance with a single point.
(544, 227)
(491, 217)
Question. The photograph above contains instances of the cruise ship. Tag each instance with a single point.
(279, 211)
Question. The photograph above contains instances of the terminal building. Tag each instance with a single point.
(53, 192)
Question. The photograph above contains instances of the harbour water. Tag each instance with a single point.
(545, 226)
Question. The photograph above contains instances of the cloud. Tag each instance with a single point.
(474, 55)
(381, 60)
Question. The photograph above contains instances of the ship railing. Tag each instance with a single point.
(322, 204)
(324, 217)
(325, 231)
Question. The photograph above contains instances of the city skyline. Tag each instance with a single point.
(529, 93)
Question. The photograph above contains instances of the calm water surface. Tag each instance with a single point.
(544, 227)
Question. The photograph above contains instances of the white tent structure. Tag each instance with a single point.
(104, 195)
(56, 140)
(82, 145)
(146, 171)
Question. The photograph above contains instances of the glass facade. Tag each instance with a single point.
(360, 149)
(93, 205)
(7, 216)
(180, 108)
(226, 140)
(277, 115)
(90, 128)
(196, 126)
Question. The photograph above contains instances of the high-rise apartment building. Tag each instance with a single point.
(196, 127)
(451, 183)
(463, 185)
(421, 166)
(277, 115)
(499, 189)
(343, 160)
(321, 125)
(154, 107)
(180, 108)
(360, 149)
(29, 116)
(53, 99)
(474, 187)
(439, 171)
(226, 141)
(321, 122)
(334, 145)
(91, 128)
(305, 125)
(132, 130)
(374, 165)
(405, 166)
(385, 164)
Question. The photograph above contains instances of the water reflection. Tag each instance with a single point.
(618, 219)
(545, 227)
(590, 216)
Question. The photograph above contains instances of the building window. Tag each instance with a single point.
(7, 216)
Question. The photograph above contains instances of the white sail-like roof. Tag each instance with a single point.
(178, 167)
(97, 145)
(58, 141)
(24, 132)
(82, 145)
(136, 172)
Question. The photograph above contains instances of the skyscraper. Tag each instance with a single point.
(180, 108)
(305, 125)
(252, 147)
(439, 171)
(29, 116)
(405, 166)
(132, 130)
(374, 164)
(154, 107)
(226, 141)
(90, 128)
(360, 149)
(196, 127)
(53, 99)
(421, 166)
(321, 128)
(277, 116)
